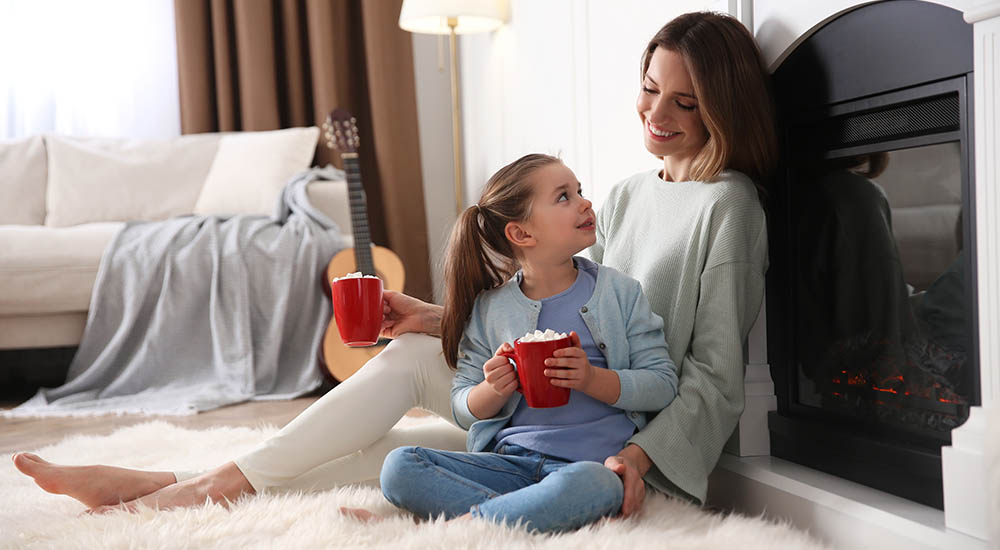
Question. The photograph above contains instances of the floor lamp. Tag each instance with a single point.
(453, 17)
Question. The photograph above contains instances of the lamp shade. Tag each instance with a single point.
(431, 16)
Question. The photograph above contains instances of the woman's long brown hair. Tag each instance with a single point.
(479, 255)
(733, 91)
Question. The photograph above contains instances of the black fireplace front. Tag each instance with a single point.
(871, 291)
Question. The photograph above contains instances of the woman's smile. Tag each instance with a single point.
(660, 134)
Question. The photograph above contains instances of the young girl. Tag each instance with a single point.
(545, 467)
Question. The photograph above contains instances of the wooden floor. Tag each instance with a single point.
(25, 434)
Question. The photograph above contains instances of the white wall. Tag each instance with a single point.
(433, 87)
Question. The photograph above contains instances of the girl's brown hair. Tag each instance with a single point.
(732, 87)
(479, 255)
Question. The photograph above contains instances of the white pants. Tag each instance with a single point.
(345, 435)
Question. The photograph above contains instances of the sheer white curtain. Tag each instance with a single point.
(88, 68)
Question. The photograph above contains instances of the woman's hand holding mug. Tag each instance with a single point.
(402, 314)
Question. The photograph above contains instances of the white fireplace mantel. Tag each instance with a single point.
(967, 507)
(844, 513)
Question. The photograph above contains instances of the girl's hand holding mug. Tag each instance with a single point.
(500, 374)
(576, 373)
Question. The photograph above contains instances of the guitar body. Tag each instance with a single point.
(337, 359)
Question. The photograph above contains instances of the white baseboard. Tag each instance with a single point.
(842, 513)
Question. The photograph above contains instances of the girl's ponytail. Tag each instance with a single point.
(479, 256)
(469, 270)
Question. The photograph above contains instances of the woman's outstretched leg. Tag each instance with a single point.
(410, 372)
(94, 486)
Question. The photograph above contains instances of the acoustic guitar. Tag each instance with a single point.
(336, 359)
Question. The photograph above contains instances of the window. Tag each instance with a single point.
(97, 68)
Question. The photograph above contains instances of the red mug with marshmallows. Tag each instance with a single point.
(357, 308)
(529, 358)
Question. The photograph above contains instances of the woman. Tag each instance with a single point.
(693, 233)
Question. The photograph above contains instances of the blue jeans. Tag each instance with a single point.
(510, 484)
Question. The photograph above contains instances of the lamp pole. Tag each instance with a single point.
(456, 121)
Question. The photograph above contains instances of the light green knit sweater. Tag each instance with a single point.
(700, 251)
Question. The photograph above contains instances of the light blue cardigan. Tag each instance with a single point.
(624, 328)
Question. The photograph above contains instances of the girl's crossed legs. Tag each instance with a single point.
(342, 438)
(514, 483)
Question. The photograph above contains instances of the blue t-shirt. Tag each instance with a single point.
(585, 428)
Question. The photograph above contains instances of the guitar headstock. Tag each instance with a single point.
(340, 129)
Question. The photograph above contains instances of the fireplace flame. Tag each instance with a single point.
(910, 385)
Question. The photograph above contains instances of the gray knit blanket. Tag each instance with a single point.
(194, 313)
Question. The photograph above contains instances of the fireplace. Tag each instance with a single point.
(872, 322)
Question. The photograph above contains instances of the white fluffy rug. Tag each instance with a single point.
(31, 518)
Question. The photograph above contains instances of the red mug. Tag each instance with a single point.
(357, 308)
(529, 357)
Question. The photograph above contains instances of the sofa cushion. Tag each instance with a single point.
(22, 181)
(103, 180)
(42, 331)
(50, 270)
(331, 198)
(251, 168)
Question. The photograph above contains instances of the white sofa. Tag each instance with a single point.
(63, 199)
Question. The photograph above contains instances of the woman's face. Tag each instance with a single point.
(668, 108)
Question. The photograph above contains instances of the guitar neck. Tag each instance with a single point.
(359, 215)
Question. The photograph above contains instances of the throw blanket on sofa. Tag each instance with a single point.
(193, 313)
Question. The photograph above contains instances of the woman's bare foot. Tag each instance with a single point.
(92, 485)
(360, 514)
(221, 485)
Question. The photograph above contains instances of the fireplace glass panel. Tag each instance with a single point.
(882, 335)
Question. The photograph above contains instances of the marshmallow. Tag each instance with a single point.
(539, 336)
(355, 275)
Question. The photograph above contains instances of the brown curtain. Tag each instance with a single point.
(269, 64)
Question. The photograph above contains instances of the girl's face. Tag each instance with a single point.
(561, 222)
(668, 108)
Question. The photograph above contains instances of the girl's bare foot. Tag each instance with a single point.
(92, 485)
(360, 514)
(221, 485)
